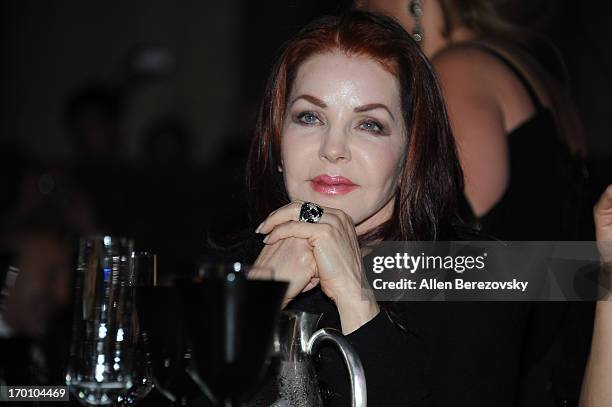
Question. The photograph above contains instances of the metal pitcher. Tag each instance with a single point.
(294, 382)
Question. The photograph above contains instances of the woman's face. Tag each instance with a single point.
(344, 138)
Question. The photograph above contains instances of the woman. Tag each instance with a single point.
(597, 384)
(353, 121)
(514, 125)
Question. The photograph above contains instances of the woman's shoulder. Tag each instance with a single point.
(482, 63)
(461, 54)
(469, 80)
(467, 61)
(494, 79)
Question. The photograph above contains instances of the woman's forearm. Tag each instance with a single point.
(597, 383)
(356, 313)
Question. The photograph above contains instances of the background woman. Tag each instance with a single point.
(514, 125)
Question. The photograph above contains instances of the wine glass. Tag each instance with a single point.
(231, 321)
(101, 350)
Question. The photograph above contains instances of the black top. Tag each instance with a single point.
(393, 361)
(454, 354)
(543, 199)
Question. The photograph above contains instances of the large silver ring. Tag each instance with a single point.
(310, 212)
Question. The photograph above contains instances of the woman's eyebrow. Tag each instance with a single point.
(372, 106)
(311, 99)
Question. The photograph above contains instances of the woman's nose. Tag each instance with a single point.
(334, 146)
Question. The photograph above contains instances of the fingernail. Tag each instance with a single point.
(266, 239)
(259, 227)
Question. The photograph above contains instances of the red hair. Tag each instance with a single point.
(431, 182)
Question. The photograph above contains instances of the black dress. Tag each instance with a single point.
(544, 197)
(544, 201)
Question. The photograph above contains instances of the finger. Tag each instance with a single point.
(291, 212)
(260, 273)
(605, 201)
(286, 213)
(303, 230)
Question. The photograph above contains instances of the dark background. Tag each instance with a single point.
(175, 176)
(219, 54)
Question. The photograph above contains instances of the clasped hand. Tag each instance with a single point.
(325, 253)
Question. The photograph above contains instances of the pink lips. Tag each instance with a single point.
(332, 185)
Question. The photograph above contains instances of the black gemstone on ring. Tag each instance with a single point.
(310, 212)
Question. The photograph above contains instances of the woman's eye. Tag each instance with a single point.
(308, 118)
(372, 126)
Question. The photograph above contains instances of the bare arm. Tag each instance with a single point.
(477, 122)
(597, 383)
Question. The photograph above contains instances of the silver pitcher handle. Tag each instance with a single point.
(351, 359)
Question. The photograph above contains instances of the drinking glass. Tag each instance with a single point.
(231, 321)
(143, 266)
(103, 331)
